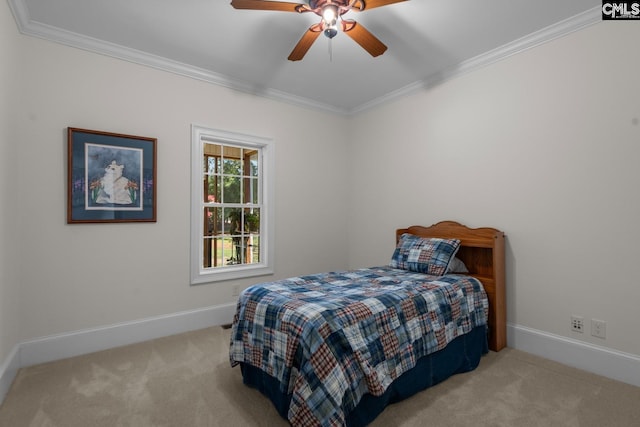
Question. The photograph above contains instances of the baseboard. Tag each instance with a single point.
(61, 346)
(8, 371)
(599, 360)
(76, 343)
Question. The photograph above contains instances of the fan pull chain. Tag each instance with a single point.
(330, 50)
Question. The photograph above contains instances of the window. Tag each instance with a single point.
(231, 194)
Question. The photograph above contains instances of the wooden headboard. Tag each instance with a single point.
(482, 251)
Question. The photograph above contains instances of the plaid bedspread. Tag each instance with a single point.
(330, 338)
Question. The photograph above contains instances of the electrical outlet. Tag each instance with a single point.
(598, 328)
(577, 323)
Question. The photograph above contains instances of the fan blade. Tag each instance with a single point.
(270, 5)
(361, 5)
(305, 42)
(364, 38)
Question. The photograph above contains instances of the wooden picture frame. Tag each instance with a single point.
(111, 177)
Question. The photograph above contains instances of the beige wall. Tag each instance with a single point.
(81, 276)
(9, 188)
(544, 145)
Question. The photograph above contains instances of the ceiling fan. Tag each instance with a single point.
(330, 11)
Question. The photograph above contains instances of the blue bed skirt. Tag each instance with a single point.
(461, 355)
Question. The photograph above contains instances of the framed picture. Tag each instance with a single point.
(111, 177)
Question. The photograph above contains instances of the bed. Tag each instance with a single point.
(336, 348)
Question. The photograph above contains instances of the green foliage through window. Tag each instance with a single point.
(232, 205)
(232, 215)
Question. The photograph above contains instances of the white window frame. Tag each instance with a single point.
(199, 136)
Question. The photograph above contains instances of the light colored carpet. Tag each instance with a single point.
(186, 380)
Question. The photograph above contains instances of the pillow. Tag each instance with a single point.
(457, 266)
(424, 255)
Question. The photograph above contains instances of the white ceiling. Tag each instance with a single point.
(429, 41)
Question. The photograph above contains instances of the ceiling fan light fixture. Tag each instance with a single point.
(329, 20)
(330, 14)
(331, 32)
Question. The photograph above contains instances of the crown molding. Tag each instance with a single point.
(552, 32)
(57, 35)
(36, 29)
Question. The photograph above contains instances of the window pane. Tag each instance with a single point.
(213, 189)
(239, 247)
(206, 245)
(254, 249)
(231, 192)
(213, 221)
(251, 191)
(246, 190)
(212, 164)
(212, 161)
(252, 220)
(214, 255)
(232, 221)
(253, 164)
(227, 252)
(232, 164)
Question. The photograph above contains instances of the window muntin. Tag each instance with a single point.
(232, 205)
(231, 199)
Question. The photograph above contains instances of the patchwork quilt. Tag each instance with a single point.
(330, 338)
